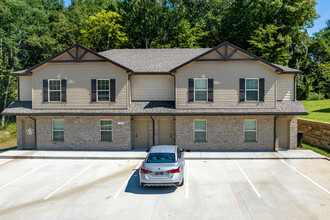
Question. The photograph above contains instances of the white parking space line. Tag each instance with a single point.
(187, 179)
(249, 181)
(86, 168)
(21, 177)
(125, 183)
(312, 181)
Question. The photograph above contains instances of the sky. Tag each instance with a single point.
(322, 8)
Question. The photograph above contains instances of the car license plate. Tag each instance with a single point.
(159, 173)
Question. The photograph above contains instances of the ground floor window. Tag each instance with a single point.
(106, 130)
(250, 130)
(58, 130)
(200, 130)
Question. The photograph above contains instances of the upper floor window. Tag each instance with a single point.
(103, 90)
(54, 90)
(200, 130)
(58, 130)
(250, 130)
(252, 89)
(200, 90)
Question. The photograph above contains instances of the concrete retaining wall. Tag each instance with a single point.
(316, 133)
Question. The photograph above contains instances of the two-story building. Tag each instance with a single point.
(221, 98)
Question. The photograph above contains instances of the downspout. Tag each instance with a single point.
(275, 132)
(294, 87)
(153, 130)
(35, 130)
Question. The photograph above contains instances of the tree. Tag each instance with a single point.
(269, 44)
(103, 31)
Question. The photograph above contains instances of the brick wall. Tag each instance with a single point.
(316, 133)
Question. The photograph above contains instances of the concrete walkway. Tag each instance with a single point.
(123, 155)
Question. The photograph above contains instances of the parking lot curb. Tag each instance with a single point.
(72, 158)
(142, 158)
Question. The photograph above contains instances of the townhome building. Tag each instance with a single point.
(220, 98)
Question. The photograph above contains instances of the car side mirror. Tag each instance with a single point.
(147, 150)
(182, 150)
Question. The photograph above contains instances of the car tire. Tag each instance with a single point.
(181, 184)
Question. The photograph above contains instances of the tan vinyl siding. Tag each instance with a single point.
(79, 77)
(25, 88)
(285, 87)
(152, 88)
(226, 77)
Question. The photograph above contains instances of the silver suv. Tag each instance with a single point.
(163, 166)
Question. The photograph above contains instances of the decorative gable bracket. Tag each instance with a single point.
(77, 56)
(226, 55)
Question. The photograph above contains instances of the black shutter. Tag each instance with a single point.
(112, 90)
(190, 90)
(210, 90)
(242, 89)
(45, 90)
(93, 90)
(261, 89)
(63, 84)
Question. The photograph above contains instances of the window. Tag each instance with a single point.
(250, 130)
(200, 90)
(252, 89)
(200, 131)
(54, 90)
(106, 130)
(161, 158)
(58, 130)
(103, 90)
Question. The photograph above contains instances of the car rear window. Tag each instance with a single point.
(161, 158)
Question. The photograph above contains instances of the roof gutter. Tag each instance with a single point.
(275, 135)
(153, 130)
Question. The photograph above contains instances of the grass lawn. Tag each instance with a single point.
(319, 110)
(321, 150)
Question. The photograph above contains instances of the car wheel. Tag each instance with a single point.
(181, 184)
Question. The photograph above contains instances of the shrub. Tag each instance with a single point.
(315, 96)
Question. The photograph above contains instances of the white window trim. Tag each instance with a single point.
(200, 130)
(252, 90)
(106, 130)
(54, 90)
(56, 130)
(97, 90)
(250, 130)
(207, 86)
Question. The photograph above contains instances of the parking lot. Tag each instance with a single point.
(214, 189)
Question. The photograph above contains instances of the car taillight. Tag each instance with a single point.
(174, 171)
(145, 171)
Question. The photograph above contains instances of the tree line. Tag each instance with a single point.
(33, 30)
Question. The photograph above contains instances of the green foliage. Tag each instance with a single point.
(103, 31)
(10, 126)
(269, 44)
(315, 96)
(316, 78)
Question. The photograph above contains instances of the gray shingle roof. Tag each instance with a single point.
(152, 60)
(156, 60)
(161, 60)
(287, 69)
(159, 108)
